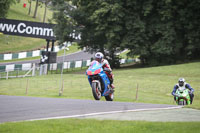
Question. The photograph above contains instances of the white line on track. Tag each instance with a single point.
(102, 113)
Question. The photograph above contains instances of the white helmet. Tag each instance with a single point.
(181, 81)
(99, 56)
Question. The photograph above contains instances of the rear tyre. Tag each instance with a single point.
(110, 97)
(95, 91)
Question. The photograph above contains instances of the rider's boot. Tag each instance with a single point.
(112, 86)
(191, 98)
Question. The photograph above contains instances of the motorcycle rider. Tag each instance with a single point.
(106, 66)
(182, 83)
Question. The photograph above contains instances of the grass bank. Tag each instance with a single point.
(154, 84)
(97, 126)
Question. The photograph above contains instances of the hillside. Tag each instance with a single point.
(154, 84)
(10, 44)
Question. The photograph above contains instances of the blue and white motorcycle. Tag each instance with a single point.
(99, 82)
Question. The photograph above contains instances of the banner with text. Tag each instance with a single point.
(27, 29)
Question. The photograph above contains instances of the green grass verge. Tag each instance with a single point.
(155, 84)
(11, 44)
(14, 44)
(98, 126)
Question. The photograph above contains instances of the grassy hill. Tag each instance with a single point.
(155, 84)
(10, 44)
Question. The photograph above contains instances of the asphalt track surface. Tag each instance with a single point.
(77, 56)
(22, 108)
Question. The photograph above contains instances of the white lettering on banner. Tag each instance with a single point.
(37, 30)
(48, 32)
(23, 28)
(29, 30)
(6, 27)
(2, 27)
(19, 28)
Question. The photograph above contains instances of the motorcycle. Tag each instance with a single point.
(99, 82)
(182, 96)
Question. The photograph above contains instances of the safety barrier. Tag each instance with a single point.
(55, 66)
(22, 55)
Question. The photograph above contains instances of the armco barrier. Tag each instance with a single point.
(55, 66)
(22, 55)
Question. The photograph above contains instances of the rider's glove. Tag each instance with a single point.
(107, 69)
(176, 95)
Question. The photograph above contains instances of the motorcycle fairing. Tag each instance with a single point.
(96, 69)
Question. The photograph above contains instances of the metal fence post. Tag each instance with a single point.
(27, 86)
(61, 82)
(33, 71)
(41, 69)
(7, 74)
(136, 97)
(45, 69)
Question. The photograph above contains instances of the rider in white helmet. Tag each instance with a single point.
(182, 83)
(106, 66)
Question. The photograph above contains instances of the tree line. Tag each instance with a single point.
(159, 31)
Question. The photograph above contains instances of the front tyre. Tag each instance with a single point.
(180, 102)
(110, 97)
(95, 91)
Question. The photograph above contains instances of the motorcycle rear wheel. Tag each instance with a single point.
(95, 91)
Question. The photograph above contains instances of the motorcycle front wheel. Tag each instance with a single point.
(95, 91)
(110, 97)
(182, 102)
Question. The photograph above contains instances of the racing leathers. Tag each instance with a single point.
(108, 71)
(187, 86)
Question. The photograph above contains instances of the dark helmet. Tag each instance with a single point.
(181, 81)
